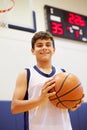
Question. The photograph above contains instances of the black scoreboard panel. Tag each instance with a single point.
(66, 24)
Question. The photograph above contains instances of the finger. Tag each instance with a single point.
(51, 94)
(48, 83)
(50, 87)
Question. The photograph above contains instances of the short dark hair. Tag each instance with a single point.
(41, 35)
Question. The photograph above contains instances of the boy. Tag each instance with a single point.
(42, 114)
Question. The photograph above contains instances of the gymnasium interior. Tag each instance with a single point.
(19, 20)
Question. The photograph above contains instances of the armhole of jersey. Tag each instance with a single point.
(26, 116)
(28, 78)
(63, 70)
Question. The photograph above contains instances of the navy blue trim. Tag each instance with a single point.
(63, 70)
(28, 78)
(44, 74)
(26, 120)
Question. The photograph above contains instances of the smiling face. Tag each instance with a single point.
(43, 50)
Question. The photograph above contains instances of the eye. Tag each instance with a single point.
(39, 45)
(48, 44)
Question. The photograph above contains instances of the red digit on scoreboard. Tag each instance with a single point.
(76, 20)
(79, 21)
(57, 28)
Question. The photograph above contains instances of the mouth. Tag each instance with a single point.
(44, 53)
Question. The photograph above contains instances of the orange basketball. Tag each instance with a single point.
(69, 91)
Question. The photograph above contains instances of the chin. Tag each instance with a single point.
(45, 59)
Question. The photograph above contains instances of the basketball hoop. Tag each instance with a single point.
(9, 8)
(5, 7)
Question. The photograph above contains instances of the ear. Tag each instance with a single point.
(32, 50)
(54, 50)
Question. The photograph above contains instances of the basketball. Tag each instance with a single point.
(69, 91)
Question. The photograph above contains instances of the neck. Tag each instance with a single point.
(45, 67)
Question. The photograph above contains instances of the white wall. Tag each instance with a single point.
(15, 47)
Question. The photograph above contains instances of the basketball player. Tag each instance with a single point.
(42, 114)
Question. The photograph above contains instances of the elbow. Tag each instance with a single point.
(13, 108)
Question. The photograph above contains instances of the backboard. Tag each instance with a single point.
(21, 16)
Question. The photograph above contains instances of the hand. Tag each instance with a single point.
(45, 89)
(77, 106)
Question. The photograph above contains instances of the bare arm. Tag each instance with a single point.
(18, 104)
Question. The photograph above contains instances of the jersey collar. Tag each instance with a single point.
(44, 74)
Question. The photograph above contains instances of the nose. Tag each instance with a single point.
(44, 47)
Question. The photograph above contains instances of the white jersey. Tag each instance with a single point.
(45, 116)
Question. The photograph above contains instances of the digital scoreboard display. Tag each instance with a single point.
(66, 24)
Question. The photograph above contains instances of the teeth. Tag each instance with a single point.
(43, 53)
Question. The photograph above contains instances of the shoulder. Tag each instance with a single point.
(22, 73)
(22, 76)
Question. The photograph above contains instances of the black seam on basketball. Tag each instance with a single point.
(72, 100)
(60, 87)
(70, 90)
(61, 102)
(63, 83)
(57, 97)
(66, 100)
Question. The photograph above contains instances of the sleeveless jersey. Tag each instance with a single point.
(45, 116)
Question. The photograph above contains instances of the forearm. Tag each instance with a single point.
(19, 106)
